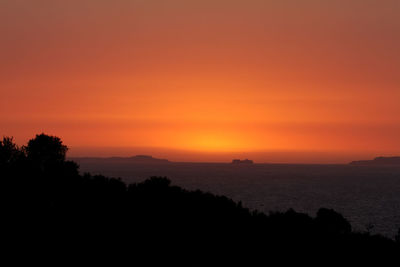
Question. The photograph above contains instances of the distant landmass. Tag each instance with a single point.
(379, 161)
(134, 159)
(245, 161)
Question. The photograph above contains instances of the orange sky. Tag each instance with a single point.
(285, 80)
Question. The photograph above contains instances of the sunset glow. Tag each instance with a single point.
(204, 77)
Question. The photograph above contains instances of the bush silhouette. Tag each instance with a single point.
(332, 222)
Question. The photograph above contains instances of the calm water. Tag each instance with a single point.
(364, 195)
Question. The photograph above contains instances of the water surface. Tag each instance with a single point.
(365, 195)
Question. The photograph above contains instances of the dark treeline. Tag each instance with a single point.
(53, 212)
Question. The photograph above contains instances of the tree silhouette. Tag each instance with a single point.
(9, 151)
(45, 150)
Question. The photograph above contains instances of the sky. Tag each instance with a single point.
(277, 81)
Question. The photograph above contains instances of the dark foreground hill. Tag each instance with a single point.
(54, 214)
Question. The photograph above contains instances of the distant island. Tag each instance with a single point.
(379, 161)
(134, 159)
(245, 161)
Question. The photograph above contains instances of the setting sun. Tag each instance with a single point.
(214, 143)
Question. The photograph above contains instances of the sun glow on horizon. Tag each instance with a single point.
(214, 143)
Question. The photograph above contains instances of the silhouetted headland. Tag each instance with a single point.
(379, 161)
(239, 161)
(51, 211)
(138, 159)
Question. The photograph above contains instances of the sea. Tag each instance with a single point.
(367, 196)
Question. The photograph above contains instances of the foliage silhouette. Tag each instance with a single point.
(332, 222)
(51, 208)
(9, 152)
(45, 149)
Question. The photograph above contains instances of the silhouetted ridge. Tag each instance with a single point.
(52, 211)
(139, 159)
(239, 161)
(379, 161)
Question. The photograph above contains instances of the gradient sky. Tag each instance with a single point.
(209, 77)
